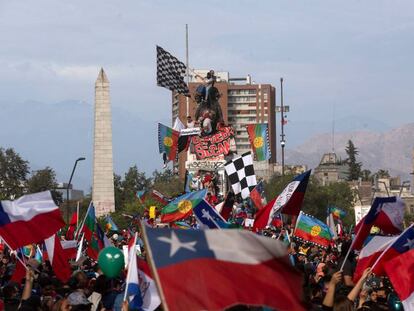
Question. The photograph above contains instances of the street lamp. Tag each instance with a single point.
(70, 180)
(282, 141)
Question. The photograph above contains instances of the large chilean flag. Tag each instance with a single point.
(29, 219)
(214, 269)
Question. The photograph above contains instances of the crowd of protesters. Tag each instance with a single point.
(324, 286)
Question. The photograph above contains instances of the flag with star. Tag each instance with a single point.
(208, 217)
(386, 213)
(224, 263)
(403, 243)
(182, 207)
(168, 141)
(259, 140)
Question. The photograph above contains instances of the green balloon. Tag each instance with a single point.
(111, 261)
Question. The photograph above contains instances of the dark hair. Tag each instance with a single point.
(342, 303)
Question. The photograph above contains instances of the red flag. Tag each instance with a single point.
(263, 217)
(256, 195)
(227, 207)
(70, 234)
(19, 272)
(57, 258)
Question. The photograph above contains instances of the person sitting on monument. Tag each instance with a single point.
(190, 122)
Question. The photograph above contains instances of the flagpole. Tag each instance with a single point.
(77, 215)
(17, 256)
(78, 229)
(129, 266)
(152, 266)
(187, 68)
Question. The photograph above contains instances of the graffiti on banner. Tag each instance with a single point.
(220, 143)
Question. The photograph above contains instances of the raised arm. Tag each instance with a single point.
(357, 288)
(329, 299)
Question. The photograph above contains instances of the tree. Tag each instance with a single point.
(133, 182)
(43, 180)
(317, 197)
(354, 166)
(167, 183)
(13, 174)
(366, 175)
(118, 191)
(383, 173)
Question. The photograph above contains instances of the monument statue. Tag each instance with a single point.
(208, 113)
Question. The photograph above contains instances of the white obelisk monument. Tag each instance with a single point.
(103, 172)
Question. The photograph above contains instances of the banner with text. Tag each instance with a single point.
(213, 146)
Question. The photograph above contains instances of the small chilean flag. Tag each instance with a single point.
(370, 253)
(386, 213)
(29, 219)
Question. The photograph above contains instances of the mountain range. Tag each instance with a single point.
(391, 150)
(56, 134)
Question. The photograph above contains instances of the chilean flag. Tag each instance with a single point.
(149, 293)
(132, 291)
(402, 278)
(221, 268)
(70, 248)
(401, 244)
(29, 219)
(370, 253)
(57, 258)
(386, 213)
(208, 217)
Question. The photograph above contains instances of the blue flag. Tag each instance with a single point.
(208, 217)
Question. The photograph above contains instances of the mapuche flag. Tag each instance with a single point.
(259, 140)
(313, 230)
(336, 212)
(168, 141)
(182, 206)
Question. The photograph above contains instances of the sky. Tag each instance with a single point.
(345, 60)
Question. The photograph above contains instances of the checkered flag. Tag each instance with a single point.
(241, 174)
(171, 72)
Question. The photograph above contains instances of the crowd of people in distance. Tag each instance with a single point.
(325, 287)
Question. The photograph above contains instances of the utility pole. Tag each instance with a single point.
(282, 141)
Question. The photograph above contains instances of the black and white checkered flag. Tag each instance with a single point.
(171, 72)
(241, 174)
